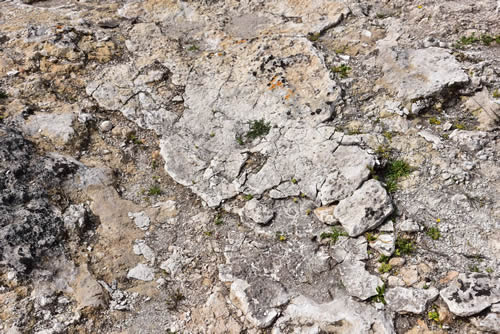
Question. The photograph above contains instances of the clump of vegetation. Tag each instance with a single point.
(459, 126)
(281, 236)
(383, 151)
(218, 219)
(133, 138)
(496, 93)
(258, 128)
(308, 212)
(334, 235)
(294, 180)
(379, 298)
(474, 268)
(434, 121)
(248, 197)
(485, 39)
(342, 71)
(388, 135)
(154, 190)
(394, 170)
(175, 298)
(384, 258)
(370, 237)
(433, 315)
(384, 268)
(404, 246)
(434, 233)
(3, 94)
(313, 37)
(193, 48)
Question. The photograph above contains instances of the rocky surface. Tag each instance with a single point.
(249, 166)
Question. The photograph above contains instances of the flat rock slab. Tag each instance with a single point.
(343, 314)
(357, 280)
(367, 208)
(410, 300)
(415, 74)
(469, 294)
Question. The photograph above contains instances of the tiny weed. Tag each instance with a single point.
(459, 126)
(370, 237)
(433, 315)
(379, 298)
(280, 236)
(248, 197)
(404, 246)
(258, 128)
(208, 233)
(384, 268)
(383, 151)
(353, 132)
(308, 212)
(394, 170)
(388, 135)
(212, 134)
(3, 94)
(342, 70)
(218, 219)
(295, 199)
(434, 121)
(133, 138)
(175, 298)
(294, 180)
(489, 270)
(474, 268)
(334, 235)
(154, 190)
(496, 93)
(240, 140)
(313, 37)
(383, 259)
(194, 48)
(434, 233)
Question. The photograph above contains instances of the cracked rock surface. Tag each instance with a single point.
(227, 166)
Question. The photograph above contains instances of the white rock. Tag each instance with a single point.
(357, 280)
(141, 220)
(367, 208)
(410, 300)
(469, 294)
(385, 244)
(257, 212)
(106, 126)
(141, 272)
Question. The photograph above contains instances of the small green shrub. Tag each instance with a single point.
(218, 219)
(342, 71)
(433, 315)
(334, 235)
(154, 190)
(404, 246)
(434, 233)
(379, 298)
(370, 237)
(313, 37)
(385, 268)
(248, 197)
(3, 94)
(258, 128)
(434, 121)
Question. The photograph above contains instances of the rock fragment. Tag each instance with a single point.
(365, 209)
(257, 211)
(357, 280)
(471, 293)
(410, 300)
(141, 272)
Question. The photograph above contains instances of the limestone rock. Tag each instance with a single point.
(471, 293)
(259, 301)
(56, 126)
(343, 315)
(408, 225)
(88, 292)
(365, 209)
(385, 244)
(141, 272)
(416, 74)
(410, 300)
(141, 219)
(409, 275)
(257, 211)
(489, 323)
(325, 215)
(357, 280)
